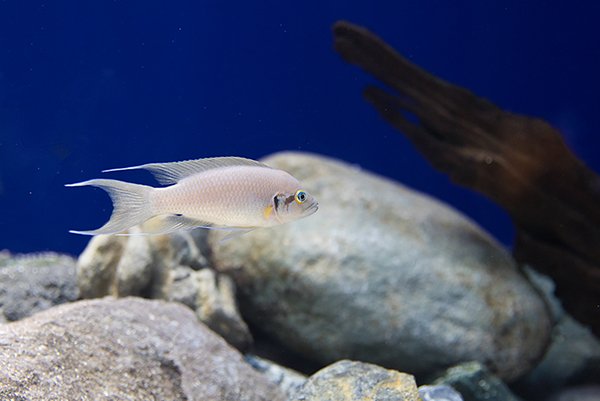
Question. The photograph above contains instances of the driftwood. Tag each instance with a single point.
(519, 162)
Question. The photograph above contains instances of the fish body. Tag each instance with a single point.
(226, 192)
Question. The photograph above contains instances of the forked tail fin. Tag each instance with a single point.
(131, 205)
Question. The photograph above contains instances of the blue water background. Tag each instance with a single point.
(90, 85)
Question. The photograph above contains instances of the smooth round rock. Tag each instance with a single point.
(387, 275)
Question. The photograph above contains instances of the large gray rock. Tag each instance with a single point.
(33, 282)
(126, 349)
(386, 275)
(358, 381)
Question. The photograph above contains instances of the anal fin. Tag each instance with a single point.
(234, 233)
(164, 224)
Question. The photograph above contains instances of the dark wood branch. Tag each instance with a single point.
(520, 162)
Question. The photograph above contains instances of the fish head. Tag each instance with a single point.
(295, 205)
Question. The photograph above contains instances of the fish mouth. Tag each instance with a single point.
(312, 209)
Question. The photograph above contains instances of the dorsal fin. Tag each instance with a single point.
(171, 173)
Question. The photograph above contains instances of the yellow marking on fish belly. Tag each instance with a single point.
(268, 211)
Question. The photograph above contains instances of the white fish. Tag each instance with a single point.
(221, 192)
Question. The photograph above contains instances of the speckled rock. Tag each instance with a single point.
(126, 349)
(475, 383)
(386, 275)
(358, 381)
(34, 282)
(289, 381)
(170, 267)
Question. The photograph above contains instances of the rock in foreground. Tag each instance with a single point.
(357, 381)
(386, 275)
(127, 349)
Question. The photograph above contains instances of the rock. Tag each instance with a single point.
(289, 381)
(182, 248)
(385, 275)
(572, 358)
(115, 265)
(183, 286)
(439, 393)
(163, 267)
(189, 248)
(97, 266)
(35, 282)
(358, 381)
(134, 271)
(212, 296)
(475, 383)
(125, 349)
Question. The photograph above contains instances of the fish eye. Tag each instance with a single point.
(300, 196)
